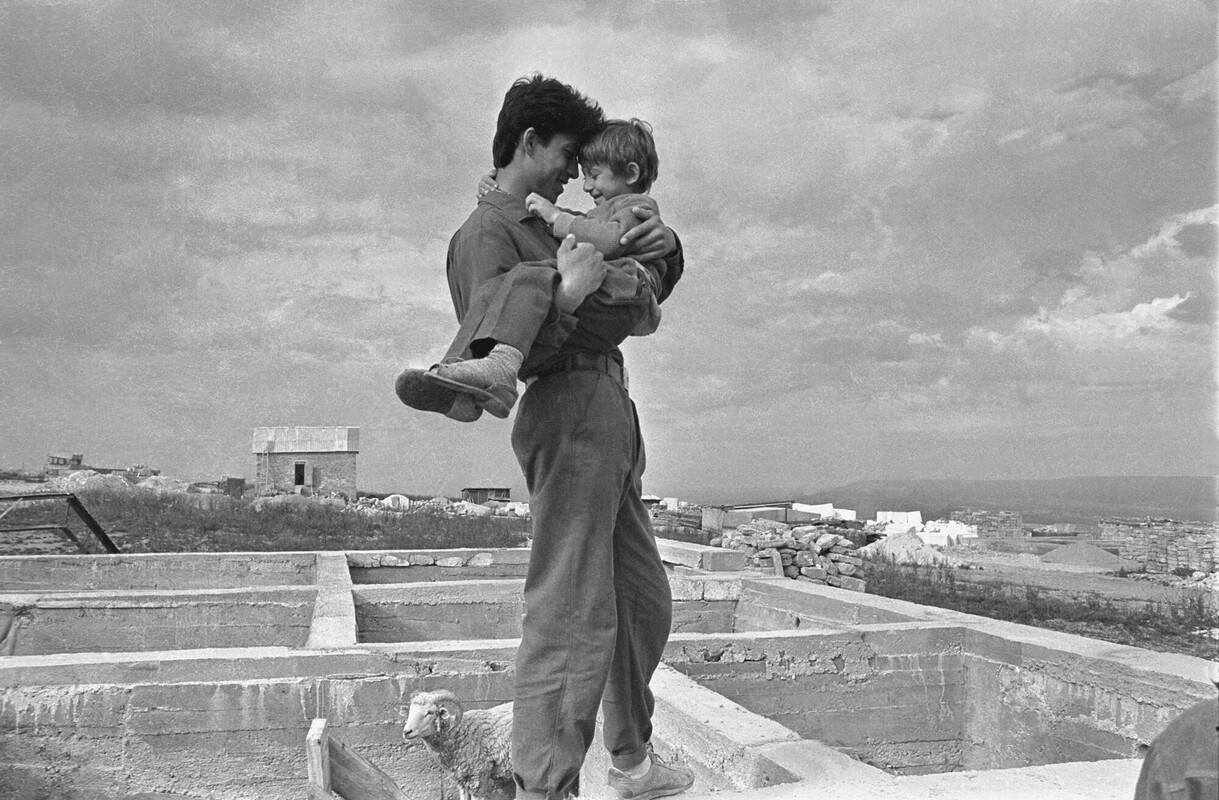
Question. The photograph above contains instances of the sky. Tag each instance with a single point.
(950, 238)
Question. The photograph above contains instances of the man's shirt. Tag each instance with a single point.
(500, 234)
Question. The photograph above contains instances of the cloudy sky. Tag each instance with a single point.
(949, 238)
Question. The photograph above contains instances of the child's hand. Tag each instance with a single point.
(541, 207)
(487, 183)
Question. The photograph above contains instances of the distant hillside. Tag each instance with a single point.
(1042, 501)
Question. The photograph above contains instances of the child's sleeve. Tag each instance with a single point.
(603, 226)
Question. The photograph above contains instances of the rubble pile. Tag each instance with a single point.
(438, 506)
(908, 548)
(823, 551)
(85, 480)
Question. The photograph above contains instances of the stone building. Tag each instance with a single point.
(1007, 524)
(306, 460)
(1164, 545)
(63, 463)
(481, 494)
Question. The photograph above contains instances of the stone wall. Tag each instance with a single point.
(337, 472)
(1007, 524)
(821, 552)
(1164, 545)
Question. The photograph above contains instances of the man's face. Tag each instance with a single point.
(554, 165)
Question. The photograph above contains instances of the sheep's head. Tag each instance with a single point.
(431, 714)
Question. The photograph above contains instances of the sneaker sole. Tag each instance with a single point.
(496, 401)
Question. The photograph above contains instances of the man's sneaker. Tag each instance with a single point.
(661, 780)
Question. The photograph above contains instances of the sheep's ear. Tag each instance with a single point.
(444, 712)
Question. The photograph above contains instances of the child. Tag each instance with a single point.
(619, 165)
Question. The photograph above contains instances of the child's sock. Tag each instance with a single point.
(497, 367)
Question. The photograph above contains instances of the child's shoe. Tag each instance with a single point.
(419, 393)
(491, 380)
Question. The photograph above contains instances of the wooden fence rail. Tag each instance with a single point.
(337, 769)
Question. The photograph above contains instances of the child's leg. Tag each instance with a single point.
(505, 317)
(508, 309)
(607, 316)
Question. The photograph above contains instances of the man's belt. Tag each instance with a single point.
(583, 362)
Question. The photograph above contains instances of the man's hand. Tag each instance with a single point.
(582, 269)
(541, 207)
(650, 239)
(487, 183)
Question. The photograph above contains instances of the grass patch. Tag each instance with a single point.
(1162, 627)
(145, 522)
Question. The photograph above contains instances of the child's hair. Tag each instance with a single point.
(621, 142)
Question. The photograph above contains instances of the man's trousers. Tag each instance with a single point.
(597, 602)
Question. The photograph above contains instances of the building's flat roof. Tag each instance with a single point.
(307, 439)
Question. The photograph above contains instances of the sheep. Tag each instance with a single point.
(473, 747)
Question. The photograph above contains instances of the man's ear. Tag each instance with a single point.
(632, 174)
(529, 141)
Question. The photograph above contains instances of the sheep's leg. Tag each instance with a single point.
(464, 794)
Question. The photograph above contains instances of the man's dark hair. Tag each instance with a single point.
(549, 107)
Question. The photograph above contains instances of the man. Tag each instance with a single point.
(598, 607)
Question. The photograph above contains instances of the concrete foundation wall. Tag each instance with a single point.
(492, 609)
(131, 622)
(908, 688)
(1033, 703)
(219, 738)
(895, 700)
(171, 571)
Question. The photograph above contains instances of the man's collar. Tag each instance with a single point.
(508, 203)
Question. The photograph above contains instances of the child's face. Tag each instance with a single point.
(603, 184)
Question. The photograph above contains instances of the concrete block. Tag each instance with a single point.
(700, 616)
(722, 589)
(685, 588)
(712, 559)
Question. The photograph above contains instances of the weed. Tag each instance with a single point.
(1166, 627)
(146, 522)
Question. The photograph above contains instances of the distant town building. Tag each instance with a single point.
(1007, 524)
(900, 517)
(825, 510)
(481, 494)
(63, 463)
(306, 460)
(1164, 545)
(944, 533)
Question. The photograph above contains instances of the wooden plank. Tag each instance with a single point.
(356, 778)
(317, 752)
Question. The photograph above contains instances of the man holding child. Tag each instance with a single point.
(598, 606)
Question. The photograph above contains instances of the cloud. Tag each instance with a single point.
(948, 214)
